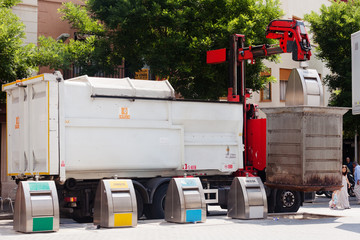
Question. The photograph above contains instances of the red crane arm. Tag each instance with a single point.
(292, 37)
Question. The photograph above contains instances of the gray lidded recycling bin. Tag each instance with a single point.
(247, 198)
(36, 207)
(185, 201)
(115, 204)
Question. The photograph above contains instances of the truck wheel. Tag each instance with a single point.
(139, 203)
(156, 210)
(80, 218)
(287, 201)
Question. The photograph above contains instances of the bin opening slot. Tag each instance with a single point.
(42, 192)
(251, 183)
(190, 188)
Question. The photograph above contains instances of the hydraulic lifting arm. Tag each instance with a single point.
(292, 37)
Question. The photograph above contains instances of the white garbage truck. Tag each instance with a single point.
(81, 130)
(84, 129)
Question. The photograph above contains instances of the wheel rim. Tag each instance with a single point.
(288, 199)
(163, 203)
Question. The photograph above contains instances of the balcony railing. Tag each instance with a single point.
(76, 71)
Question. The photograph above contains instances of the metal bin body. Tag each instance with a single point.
(185, 201)
(304, 147)
(36, 207)
(247, 198)
(115, 204)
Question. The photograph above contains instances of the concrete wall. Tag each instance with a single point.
(27, 11)
(41, 17)
(49, 22)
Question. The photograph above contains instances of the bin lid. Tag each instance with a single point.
(304, 88)
(126, 87)
(305, 109)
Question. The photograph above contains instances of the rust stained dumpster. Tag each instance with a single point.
(304, 147)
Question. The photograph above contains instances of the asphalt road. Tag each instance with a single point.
(313, 221)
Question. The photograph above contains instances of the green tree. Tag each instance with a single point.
(172, 37)
(332, 30)
(91, 55)
(16, 59)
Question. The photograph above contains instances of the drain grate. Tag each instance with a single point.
(300, 216)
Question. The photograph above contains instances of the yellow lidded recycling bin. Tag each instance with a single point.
(115, 204)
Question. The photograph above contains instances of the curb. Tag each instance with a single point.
(6, 216)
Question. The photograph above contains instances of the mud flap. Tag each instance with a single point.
(271, 198)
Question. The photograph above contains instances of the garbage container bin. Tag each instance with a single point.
(185, 201)
(247, 198)
(115, 204)
(36, 207)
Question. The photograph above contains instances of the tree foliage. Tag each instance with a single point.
(16, 60)
(332, 30)
(92, 54)
(172, 37)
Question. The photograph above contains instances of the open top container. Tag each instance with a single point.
(304, 147)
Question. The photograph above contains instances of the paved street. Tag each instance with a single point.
(307, 224)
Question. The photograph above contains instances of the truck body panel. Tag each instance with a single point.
(355, 70)
(32, 126)
(91, 128)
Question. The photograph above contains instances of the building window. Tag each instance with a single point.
(265, 93)
(284, 76)
(283, 85)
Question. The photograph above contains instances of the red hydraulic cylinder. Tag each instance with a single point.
(256, 143)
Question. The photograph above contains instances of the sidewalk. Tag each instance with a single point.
(313, 221)
(6, 216)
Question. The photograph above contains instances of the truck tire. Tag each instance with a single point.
(156, 210)
(80, 218)
(287, 201)
(140, 204)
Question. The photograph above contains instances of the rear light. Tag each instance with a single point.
(70, 199)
